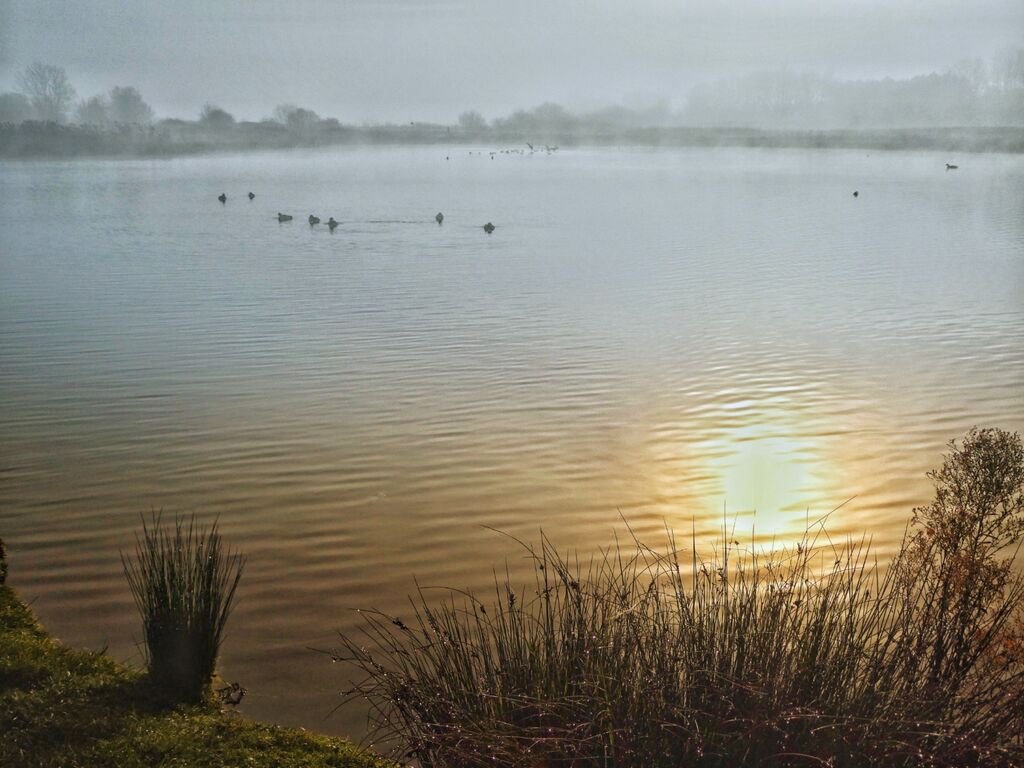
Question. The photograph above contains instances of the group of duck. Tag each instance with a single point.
(493, 152)
(313, 220)
(332, 224)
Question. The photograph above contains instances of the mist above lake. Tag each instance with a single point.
(398, 61)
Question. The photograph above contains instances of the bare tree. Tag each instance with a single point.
(49, 90)
(213, 116)
(974, 72)
(93, 111)
(1008, 69)
(282, 112)
(127, 106)
(472, 122)
(302, 120)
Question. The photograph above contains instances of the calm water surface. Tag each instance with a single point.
(661, 334)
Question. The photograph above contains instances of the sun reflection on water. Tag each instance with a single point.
(771, 479)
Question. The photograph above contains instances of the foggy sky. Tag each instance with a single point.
(400, 60)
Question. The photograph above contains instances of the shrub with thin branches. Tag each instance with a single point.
(184, 581)
(808, 656)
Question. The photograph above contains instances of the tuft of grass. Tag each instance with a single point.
(814, 655)
(62, 708)
(184, 581)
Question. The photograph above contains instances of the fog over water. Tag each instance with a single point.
(400, 60)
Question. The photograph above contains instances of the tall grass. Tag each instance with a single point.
(814, 655)
(184, 582)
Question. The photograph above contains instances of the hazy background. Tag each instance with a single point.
(400, 60)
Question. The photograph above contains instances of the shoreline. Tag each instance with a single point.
(61, 706)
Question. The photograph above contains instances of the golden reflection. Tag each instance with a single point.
(770, 480)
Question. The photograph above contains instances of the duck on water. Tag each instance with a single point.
(283, 217)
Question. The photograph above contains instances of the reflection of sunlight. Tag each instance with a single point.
(767, 479)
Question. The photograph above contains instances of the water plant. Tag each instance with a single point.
(184, 582)
(806, 656)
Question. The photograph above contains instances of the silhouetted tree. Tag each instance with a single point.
(972, 71)
(303, 120)
(472, 122)
(282, 111)
(49, 90)
(547, 118)
(15, 108)
(127, 106)
(213, 116)
(1008, 69)
(296, 119)
(93, 111)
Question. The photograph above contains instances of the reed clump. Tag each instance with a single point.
(812, 656)
(184, 582)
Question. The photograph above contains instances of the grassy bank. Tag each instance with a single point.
(61, 707)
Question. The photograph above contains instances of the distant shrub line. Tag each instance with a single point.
(33, 139)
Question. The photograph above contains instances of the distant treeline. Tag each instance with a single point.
(34, 139)
(174, 137)
(972, 92)
(973, 107)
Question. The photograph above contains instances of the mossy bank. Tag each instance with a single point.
(68, 708)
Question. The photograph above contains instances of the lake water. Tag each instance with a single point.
(661, 335)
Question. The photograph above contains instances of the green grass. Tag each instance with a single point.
(68, 708)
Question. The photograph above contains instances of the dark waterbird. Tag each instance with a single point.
(283, 217)
(951, 167)
(222, 197)
(856, 193)
(439, 218)
(251, 196)
(313, 219)
(488, 227)
(332, 223)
